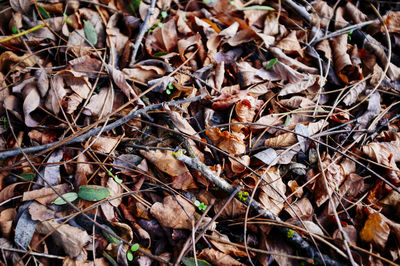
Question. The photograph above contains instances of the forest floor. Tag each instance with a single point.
(199, 132)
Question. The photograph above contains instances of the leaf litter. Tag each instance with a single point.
(194, 120)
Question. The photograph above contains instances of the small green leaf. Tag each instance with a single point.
(90, 32)
(129, 256)
(164, 14)
(184, 16)
(4, 122)
(160, 24)
(168, 92)
(93, 192)
(265, 8)
(350, 33)
(208, 2)
(27, 176)
(196, 203)
(171, 86)
(14, 29)
(43, 12)
(71, 196)
(271, 63)
(160, 53)
(135, 247)
(191, 262)
(232, 3)
(287, 120)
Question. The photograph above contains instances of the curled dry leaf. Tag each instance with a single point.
(232, 143)
(172, 214)
(104, 144)
(70, 238)
(226, 248)
(6, 221)
(218, 258)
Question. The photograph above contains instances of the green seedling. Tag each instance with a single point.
(164, 14)
(129, 255)
(271, 63)
(4, 122)
(14, 29)
(68, 20)
(169, 88)
(350, 33)
(200, 205)
(116, 179)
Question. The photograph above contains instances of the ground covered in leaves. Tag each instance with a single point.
(200, 132)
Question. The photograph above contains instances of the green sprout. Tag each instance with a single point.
(129, 255)
(43, 12)
(118, 180)
(200, 205)
(68, 20)
(271, 63)
(4, 122)
(14, 29)
(164, 14)
(243, 195)
(350, 33)
(170, 88)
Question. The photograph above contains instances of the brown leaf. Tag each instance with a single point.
(246, 109)
(226, 248)
(9, 191)
(6, 221)
(41, 213)
(8, 60)
(268, 120)
(343, 65)
(302, 208)
(100, 104)
(375, 230)
(218, 258)
(164, 161)
(45, 195)
(104, 144)
(10, 255)
(70, 238)
(272, 193)
(172, 214)
(232, 143)
(290, 44)
(31, 102)
(233, 210)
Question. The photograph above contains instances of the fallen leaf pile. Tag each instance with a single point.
(289, 110)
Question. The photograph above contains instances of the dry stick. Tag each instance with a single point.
(143, 29)
(299, 9)
(293, 237)
(33, 253)
(94, 131)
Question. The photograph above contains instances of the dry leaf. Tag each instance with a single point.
(375, 230)
(172, 214)
(70, 238)
(272, 193)
(218, 258)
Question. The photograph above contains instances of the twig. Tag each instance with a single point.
(22, 33)
(301, 10)
(291, 235)
(33, 253)
(143, 29)
(96, 130)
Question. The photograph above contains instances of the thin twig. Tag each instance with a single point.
(143, 29)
